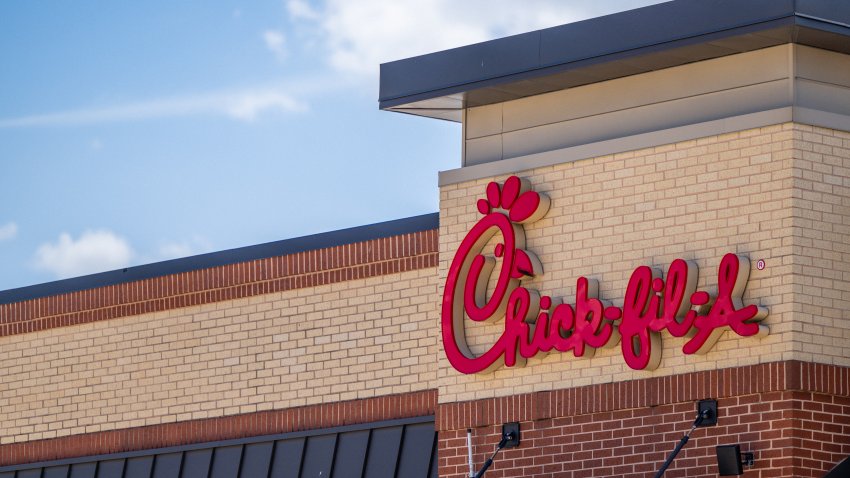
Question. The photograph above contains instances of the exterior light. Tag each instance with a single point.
(730, 460)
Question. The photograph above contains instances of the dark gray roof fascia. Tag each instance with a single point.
(608, 47)
(232, 256)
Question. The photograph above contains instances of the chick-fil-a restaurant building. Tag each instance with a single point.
(641, 267)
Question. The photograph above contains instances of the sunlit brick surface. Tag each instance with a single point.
(352, 333)
(342, 341)
(792, 434)
(780, 194)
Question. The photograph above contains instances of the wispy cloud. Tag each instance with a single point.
(244, 105)
(94, 251)
(248, 107)
(8, 231)
(299, 9)
(103, 250)
(357, 36)
(174, 249)
(276, 43)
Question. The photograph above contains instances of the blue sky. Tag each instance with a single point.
(134, 132)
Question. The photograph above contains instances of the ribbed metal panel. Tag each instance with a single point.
(139, 467)
(56, 472)
(394, 449)
(196, 463)
(167, 465)
(256, 459)
(110, 469)
(351, 454)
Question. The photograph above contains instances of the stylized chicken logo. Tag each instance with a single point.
(538, 324)
(505, 210)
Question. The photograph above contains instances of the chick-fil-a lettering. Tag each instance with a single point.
(537, 325)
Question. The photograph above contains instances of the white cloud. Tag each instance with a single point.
(93, 251)
(364, 33)
(299, 9)
(358, 36)
(276, 43)
(173, 250)
(242, 105)
(8, 231)
(248, 106)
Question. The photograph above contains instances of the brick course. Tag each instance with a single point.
(223, 428)
(307, 269)
(347, 339)
(794, 416)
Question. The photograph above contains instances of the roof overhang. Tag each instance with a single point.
(440, 85)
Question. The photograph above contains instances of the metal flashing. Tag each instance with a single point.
(604, 48)
(231, 256)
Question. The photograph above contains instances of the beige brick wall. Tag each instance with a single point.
(778, 193)
(743, 193)
(821, 237)
(349, 340)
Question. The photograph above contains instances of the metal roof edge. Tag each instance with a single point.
(230, 256)
(613, 38)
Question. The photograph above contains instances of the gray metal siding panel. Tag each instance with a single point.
(287, 458)
(392, 449)
(196, 463)
(110, 469)
(415, 456)
(351, 452)
(256, 460)
(139, 467)
(383, 452)
(83, 470)
(167, 465)
(319, 456)
(226, 462)
(56, 472)
(434, 465)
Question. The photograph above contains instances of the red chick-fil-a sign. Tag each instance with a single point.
(536, 324)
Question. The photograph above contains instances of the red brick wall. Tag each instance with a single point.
(795, 417)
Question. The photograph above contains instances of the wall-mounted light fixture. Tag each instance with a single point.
(730, 460)
(510, 439)
(706, 416)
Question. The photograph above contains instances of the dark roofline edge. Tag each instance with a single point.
(295, 245)
(797, 18)
(557, 67)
